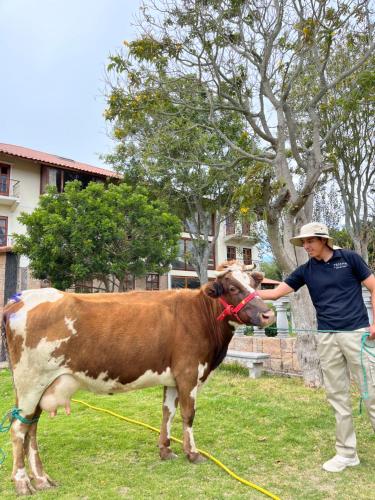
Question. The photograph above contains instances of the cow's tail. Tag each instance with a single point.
(3, 340)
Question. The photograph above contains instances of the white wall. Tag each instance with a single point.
(28, 175)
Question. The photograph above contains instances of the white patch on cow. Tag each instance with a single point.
(170, 403)
(32, 454)
(232, 268)
(201, 370)
(31, 299)
(30, 380)
(244, 279)
(21, 474)
(193, 448)
(194, 391)
(17, 432)
(70, 325)
(103, 385)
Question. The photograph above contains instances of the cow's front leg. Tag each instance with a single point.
(20, 477)
(170, 402)
(187, 405)
(41, 480)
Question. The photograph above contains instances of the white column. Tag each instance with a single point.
(259, 332)
(281, 317)
(367, 300)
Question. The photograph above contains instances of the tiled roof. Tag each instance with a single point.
(58, 161)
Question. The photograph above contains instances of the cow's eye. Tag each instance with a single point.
(232, 289)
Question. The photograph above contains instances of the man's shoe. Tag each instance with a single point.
(339, 463)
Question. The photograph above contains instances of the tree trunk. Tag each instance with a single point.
(303, 312)
(304, 320)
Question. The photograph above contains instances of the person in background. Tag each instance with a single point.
(334, 278)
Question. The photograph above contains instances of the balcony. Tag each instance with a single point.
(239, 233)
(6, 243)
(9, 192)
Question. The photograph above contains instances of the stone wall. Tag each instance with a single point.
(282, 351)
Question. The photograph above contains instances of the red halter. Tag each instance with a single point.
(230, 310)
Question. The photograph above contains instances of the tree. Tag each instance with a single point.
(328, 206)
(271, 270)
(350, 113)
(103, 233)
(167, 144)
(268, 62)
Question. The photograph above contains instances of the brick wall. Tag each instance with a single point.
(283, 353)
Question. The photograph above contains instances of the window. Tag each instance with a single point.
(211, 259)
(185, 282)
(58, 177)
(231, 253)
(4, 179)
(51, 177)
(3, 231)
(152, 282)
(184, 256)
(70, 175)
(230, 225)
(246, 227)
(185, 251)
(247, 256)
(192, 225)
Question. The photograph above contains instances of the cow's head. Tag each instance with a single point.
(235, 286)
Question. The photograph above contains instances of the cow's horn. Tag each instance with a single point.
(250, 267)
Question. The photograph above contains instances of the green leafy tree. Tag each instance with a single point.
(102, 233)
(169, 145)
(349, 115)
(271, 270)
(269, 62)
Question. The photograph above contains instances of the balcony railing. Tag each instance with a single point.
(9, 187)
(237, 231)
(6, 241)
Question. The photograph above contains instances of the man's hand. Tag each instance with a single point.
(372, 332)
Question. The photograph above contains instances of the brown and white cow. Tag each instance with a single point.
(108, 343)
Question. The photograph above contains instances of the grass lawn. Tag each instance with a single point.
(271, 431)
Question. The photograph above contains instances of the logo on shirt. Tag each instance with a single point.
(340, 265)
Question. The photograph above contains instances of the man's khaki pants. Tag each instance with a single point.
(340, 352)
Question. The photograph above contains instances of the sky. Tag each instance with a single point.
(53, 55)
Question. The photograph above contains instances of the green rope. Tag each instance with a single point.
(5, 428)
(12, 415)
(365, 348)
(298, 330)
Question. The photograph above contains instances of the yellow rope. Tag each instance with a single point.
(202, 452)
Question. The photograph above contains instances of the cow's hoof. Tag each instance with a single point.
(24, 487)
(167, 454)
(196, 458)
(44, 483)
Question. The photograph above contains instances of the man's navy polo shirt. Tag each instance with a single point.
(335, 289)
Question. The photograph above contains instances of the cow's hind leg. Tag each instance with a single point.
(20, 477)
(41, 480)
(187, 395)
(170, 402)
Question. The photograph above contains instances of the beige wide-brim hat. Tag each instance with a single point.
(311, 230)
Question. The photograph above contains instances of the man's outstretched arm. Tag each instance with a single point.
(275, 293)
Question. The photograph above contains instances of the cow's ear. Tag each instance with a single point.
(257, 277)
(214, 289)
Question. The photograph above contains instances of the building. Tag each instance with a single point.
(24, 175)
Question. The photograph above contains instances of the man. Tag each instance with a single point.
(334, 278)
